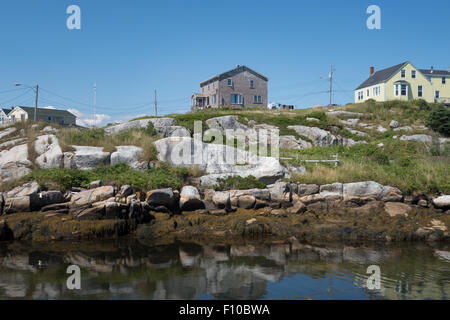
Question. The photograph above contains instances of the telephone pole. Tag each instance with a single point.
(331, 85)
(156, 105)
(95, 102)
(36, 103)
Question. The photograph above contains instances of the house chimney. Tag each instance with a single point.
(372, 71)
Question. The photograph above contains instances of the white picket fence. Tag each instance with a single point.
(335, 160)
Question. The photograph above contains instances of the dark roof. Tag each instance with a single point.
(381, 76)
(47, 112)
(232, 72)
(6, 111)
(430, 72)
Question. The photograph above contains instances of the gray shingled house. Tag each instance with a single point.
(239, 87)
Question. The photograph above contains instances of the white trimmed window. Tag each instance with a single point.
(396, 90)
(360, 95)
(404, 89)
(420, 91)
(214, 99)
(252, 83)
(413, 74)
(230, 82)
(403, 74)
(444, 80)
(438, 94)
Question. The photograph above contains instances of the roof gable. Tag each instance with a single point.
(5, 111)
(382, 76)
(437, 73)
(233, 72)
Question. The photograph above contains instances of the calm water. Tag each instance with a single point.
(130, 269)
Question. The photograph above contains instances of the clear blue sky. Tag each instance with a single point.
(131, 47)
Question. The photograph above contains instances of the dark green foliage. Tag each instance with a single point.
(150, 129)
(439, 120)
(239, 183)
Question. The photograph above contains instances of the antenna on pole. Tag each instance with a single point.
(331, 85)
(156, 104)
(95, 102)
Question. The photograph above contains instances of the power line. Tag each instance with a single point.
(17, 97)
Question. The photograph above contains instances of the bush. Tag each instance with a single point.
(150, 129)
(117, 175)
(439, 120)
(239, 183)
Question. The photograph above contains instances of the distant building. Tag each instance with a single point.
(4, 116)
(62, 117)
(240, 87)
(405, 82)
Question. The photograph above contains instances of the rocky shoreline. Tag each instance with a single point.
(351, 211)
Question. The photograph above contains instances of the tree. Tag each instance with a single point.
(439, 120)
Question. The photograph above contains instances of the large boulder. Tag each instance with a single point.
(128, 155)
(290, 142)
(222, 199)
(344, 113)
(370, 190)
(27, 189)
(7, 132)
(219, 161)
(319, 136)
(307, 189)
(442, 202)
(190, 199)
(165, 127)
(225, 123)
(424, 138)
(173, 131)
(17, 154)
(92, 195)
(394, 209)
(86, 158)
(161, 197)
(50, 153)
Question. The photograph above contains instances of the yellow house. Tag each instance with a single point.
(405, 82)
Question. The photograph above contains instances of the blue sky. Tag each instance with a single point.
(131, 47)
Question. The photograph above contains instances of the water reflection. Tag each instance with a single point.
(130, 269)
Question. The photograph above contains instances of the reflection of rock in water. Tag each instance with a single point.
(188, 270)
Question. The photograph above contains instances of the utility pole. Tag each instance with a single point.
(95, 102)
(36, 104)
(156, 105)
(331, 85)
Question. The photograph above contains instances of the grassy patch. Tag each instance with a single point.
(239, 183)
(143, 138)
(117, 175)
(406, 165)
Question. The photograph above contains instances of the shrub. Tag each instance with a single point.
(117, 175)
(439, 120)
(239, 183)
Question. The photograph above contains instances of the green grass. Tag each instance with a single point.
(162, 177)
(409, 166)
(239, 183)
